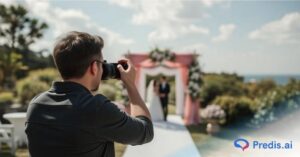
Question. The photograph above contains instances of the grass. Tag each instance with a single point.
(206, 144)
(5, 152)
(171, 109)
(119, 149)
(218, 144)
(23, 152)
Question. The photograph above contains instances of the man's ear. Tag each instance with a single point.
(94, 68)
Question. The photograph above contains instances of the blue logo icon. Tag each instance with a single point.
(241, 143)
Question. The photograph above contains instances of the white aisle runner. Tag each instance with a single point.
(171, 139)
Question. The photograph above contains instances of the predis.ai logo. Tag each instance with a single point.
(241, 143)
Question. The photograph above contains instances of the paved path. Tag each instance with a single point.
(171, 139)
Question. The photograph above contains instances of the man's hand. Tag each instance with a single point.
(138, 106)
(128, 75)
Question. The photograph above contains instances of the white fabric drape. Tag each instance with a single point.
(168, 72)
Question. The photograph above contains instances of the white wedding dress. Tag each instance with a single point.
(153, 103)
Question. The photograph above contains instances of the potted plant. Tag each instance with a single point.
(214, 115)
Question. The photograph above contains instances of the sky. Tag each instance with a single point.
(235, 36)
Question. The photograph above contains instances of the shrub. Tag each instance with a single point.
(220, 84)
(6, 98)
(109, 91)
(112, 89)
(260, 88)
(275, 104)
(44, 75)
(36, 82)
(27, 89)
(236, 108)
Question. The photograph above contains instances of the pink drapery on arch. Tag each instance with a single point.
(191, 108)
(191, 111)
(182, 62)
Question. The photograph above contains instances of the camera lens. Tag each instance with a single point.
(110, 71)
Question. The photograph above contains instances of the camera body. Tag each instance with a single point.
(110, 70)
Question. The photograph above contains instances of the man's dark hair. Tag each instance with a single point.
(163, 77)
(74, 52)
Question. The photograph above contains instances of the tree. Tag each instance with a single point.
(18, 32)
(18, 29)
(9, 64)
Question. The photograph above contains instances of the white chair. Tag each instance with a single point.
(7, 136)
(18, 119)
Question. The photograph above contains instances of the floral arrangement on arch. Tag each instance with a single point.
(157, 55)
(195, 80)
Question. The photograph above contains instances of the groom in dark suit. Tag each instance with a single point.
(164, 90)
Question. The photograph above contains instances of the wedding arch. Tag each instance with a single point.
(168, 72)
(169, 64)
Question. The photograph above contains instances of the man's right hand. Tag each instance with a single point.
(138, 106)
(128, 75)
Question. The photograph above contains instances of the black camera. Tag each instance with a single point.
(110, 70)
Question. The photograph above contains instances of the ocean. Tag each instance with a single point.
(279, 79)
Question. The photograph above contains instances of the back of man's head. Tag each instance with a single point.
(74, 52)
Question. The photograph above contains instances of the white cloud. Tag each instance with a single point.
(225, 32)
(42, 45)
(169, 32)
(170, 19)
(134, 3)
(210, 3)
(7, 2)
(64, 20)
(125, 3)
(198, 47)
(284, 30)
(70, 14)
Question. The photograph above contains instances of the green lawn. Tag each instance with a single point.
(220, 144)
(119, 149)
(5, 152)
(206, 144)
(23, 152)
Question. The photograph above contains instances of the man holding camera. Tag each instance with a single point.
(70, 119)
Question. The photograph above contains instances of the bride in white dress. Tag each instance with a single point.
(153, 101)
